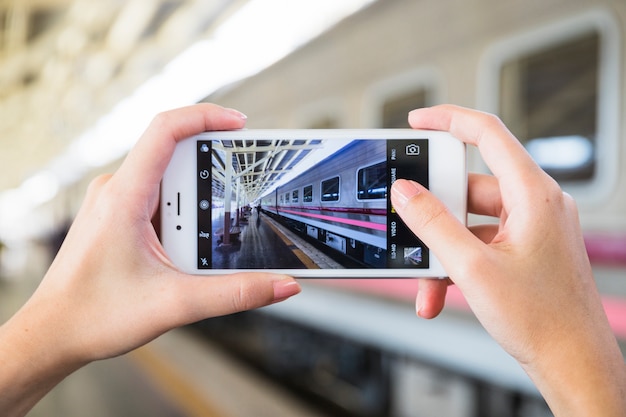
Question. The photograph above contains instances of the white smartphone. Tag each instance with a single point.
(308, 203)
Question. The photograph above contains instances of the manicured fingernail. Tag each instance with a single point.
(402, 191)
(285, 288)
(237, 113)
(419, 303)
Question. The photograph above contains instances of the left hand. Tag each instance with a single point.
(111, 287)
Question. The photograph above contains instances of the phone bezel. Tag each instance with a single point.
(447, 177)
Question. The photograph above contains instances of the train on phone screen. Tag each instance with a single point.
(340, 202)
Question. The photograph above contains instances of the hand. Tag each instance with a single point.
(111, 287)
(527, 278)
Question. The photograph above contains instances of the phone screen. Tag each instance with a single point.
(286, 204)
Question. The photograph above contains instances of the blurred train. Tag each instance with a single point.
(553, 70)
(340, 202)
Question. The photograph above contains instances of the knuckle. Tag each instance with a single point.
(96, 185)
(568, 200)
(492, 123)
(103, 198)
(570, 204)
(491, 119)
(96, 191)
(161, 120)
(487, 118)
(553, 194)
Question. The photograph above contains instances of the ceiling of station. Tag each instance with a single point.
(65, 63)
(257, 165)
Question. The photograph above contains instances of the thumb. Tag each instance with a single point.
(434, 224)
(206, 297)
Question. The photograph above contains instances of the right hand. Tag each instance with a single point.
(527, 278)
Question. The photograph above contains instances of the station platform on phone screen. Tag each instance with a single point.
(261, 242)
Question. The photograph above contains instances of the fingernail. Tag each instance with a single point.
(402, 191)
(285, 288)
(237, 113)
(419, 301)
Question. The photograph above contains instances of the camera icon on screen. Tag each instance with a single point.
(412, 149)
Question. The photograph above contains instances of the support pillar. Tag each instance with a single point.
(228, 191)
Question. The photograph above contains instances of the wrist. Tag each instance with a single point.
(33, 360)
(581, 374)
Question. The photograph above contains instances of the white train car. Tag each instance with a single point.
(340, 202)
(552, 69)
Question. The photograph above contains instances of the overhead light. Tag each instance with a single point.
(255, 37)
(41, 187)
(259, 34)
(16, 206)
(132, 21)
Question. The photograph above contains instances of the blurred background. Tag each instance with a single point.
(81, 79)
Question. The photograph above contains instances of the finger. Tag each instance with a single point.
(484, 196)
(502, 152)
(146, 162)
(485, 232)
(431, 297)
(200, 297)
(434, 224)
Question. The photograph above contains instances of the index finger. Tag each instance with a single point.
(501, 151)
(145, 164)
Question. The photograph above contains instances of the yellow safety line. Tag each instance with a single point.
(308, 262)
(174, 385)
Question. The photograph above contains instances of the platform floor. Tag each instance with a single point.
(177, 375)
(182, 374)
(264, 243)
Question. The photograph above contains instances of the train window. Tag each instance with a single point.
(395, 109)
(294, 196)
(388, 101)
(307, 194)
(286, 197)
(372, 182)
(557, 88)
(548, 100)
(330, 189)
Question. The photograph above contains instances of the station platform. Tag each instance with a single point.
(190, 373)
(178, 375)
(262, 243)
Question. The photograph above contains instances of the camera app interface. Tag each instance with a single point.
(306, 203)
